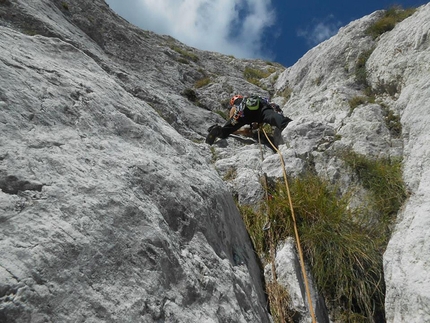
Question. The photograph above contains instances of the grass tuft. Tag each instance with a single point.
(361, 72)
(253, 75)
(383, 179)
(202, 82)
(186, 56)
(391, 17)
(342, 245)
(342, 251)
(392, 121)
(356, 101)
(281, 305)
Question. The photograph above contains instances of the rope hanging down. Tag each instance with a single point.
(272, 248)
(299, 248)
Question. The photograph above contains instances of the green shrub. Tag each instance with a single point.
(391, 17)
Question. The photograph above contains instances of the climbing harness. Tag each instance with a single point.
(238, 113)
(267, 226)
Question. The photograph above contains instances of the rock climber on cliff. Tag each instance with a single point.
(246, 111)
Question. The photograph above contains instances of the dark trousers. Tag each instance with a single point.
(264, 115)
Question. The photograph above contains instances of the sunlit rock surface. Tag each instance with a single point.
(112, 208)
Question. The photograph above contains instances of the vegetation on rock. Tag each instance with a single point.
(342, 245)
(392, 16)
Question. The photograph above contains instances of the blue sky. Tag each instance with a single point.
(276, 30)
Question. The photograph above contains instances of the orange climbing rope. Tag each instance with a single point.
(299, 248)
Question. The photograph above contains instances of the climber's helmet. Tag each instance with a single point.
(236, 100)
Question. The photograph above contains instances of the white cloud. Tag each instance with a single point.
(320, 31)
(233, 27)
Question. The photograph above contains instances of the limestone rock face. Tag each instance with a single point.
(322, 83)
(402, 62)
(108, 212)
(112, 208)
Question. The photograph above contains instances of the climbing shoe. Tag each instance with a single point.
(214, 132)
(285, 122)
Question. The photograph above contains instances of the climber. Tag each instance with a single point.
(247, 130)
(248, 110)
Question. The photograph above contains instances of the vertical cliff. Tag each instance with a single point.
(372, 92)
(112, 208)
(108, 212)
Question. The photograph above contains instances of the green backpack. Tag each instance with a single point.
(252, 102)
